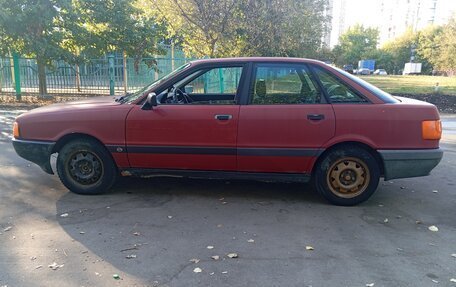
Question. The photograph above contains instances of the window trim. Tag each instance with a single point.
(254, 67)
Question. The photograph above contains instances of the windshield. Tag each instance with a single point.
(129, 98)
(384, 96)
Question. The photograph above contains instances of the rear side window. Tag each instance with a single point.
(284, 85)
(338, 91)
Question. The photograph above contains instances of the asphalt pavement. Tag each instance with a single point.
(162, 231)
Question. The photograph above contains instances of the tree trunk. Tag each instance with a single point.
(42, 77)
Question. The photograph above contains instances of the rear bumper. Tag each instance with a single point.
(409, 163)
(38, 152)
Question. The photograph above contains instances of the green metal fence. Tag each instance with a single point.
(112, 74)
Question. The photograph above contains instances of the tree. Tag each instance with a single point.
(283, 27)
(204, 28)
(355, 44)
(34, 28)
(245, 27)
(427, 46)
(445, 59)
(114, 26)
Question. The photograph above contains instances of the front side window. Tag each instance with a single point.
(337, 91)
(216, 81)
(284, 85)
(213, 86)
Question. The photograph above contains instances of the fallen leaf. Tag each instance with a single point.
(250, 241)
(194, 260)
(197, 270)
(433, 228)
(308, 247)
(210, 247)
(7, 228)
(116, 276)
(55, 266)
(131, 256)
(370, 284)
(232, 255)
(64, 215)
(215, 257)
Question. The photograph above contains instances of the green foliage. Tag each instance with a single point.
(356, 44)
(244, 28)
(114, 25)
(445, 58)
(291, 28)
(33, 28)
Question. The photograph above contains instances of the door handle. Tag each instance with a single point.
(315, 117)
(223, 117)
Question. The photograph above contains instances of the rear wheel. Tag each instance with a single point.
(86, 167)
(347, 176)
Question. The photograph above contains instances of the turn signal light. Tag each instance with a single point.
(16, 130)
(431, 130)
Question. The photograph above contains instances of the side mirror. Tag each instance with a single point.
(150, 102)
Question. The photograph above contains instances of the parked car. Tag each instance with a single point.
(380, 72)
(348, 68)
(261, 118)
(363, 71)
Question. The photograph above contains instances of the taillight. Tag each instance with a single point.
(431, 130)
(16, 130)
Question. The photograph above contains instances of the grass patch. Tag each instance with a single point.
(414, 85)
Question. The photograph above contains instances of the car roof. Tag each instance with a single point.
(256, 59)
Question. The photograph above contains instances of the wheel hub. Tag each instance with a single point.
(85, 167)
(348, 177)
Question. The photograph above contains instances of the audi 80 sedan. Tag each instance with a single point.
(275, 119)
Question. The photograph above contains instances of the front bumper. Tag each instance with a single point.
(409, 163)
(38, 152)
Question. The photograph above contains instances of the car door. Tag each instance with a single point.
(199, 132)
(286, 121)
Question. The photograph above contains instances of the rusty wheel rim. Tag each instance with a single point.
(348, 177)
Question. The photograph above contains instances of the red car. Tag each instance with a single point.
(261, 118)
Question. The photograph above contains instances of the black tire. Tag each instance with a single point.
(85, 167)
(347, 176)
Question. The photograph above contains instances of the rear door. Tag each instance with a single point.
(286, 121)
(198, 132)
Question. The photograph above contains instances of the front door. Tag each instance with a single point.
(286, 121)
(193, 127)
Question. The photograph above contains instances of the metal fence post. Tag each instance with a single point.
(221, 79)
(17, 76)
(111, 74)
(125, 75)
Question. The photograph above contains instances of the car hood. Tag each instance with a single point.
(89, 103)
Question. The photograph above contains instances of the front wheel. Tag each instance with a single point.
(347, 176)
(86, 167)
